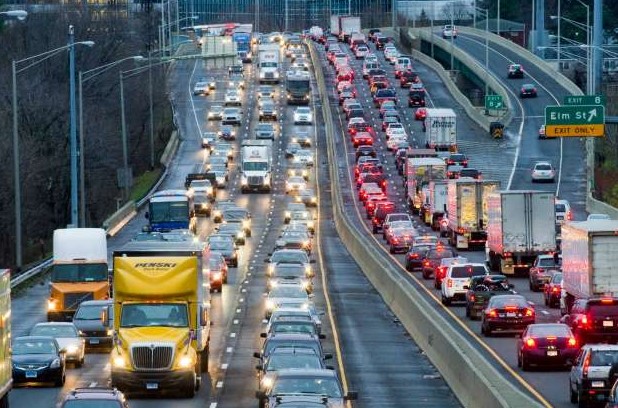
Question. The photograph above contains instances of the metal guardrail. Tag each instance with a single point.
(24, 276)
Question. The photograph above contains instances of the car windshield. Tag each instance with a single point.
(303, 110)
(290, 270)
(548, 262)
(92, 403)
(308, 385)
(221, 245)
(441, 253)
(501, 301)
(292, 291)
(602, 358)
(89, 312)
(265, 127)
(289, 257)
(234, 214)
(293, 327)
(280, 361)
(465, 271)
(560, 208)
(603, 309)
(154, 315)
(54, 331)
(21, 347)
(543, 167)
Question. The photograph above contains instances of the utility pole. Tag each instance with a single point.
(73, 129)
(597, 43)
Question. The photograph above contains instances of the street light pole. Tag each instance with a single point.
(125, 158)
(559, 37)
(73, 129)
(152, 156)
(498, 20)
(82, 151)
(18, 239)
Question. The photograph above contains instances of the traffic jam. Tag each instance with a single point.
(460, 235)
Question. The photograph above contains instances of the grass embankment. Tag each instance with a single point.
(143, 184)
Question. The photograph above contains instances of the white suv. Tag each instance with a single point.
(589, 374)
(563, 211)
(457, 279)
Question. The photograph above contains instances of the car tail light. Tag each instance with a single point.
(569, 215)
(510, 308)
(426, 263)
(572, 342)
(492, 313)
(607, 300)
(530, 343)
(413, 256)
(383, 183)
(540, 270)
(472, 298)
(586, 365)
(555, 289)
(529, 312)
(585, 322)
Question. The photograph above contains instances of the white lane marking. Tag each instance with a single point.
(229, 349)
(224, 366)
(236, 321)
(93, 384)
(213, 405)
(219, 384)
(545, 312)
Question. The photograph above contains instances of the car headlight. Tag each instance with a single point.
(288, 214)
(217, 213)
(185, 362)
(308, 271)
(243, 181)
(310, 224)
(216, 276)
(119, 361)
(305, 285)
(72, 349)
(271, 270)
(110, 332)
(55, 363)
(52, 304)
(240, 234)
(314, 199)
(270, 305)
(276, 74)
(273, 283)
(209, 190)
(267, 382)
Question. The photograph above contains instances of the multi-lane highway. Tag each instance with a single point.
(373, 353)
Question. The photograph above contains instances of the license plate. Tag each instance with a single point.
(152, 386)
(510, 315)
(608, 323)
(598, 384)
(93, 341)
(31, 374)
(560, 217)
(552, 353)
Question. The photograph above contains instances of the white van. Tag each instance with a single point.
(367, 65)
(403, 64)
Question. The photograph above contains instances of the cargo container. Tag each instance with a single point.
(335, 27)
(419, 171)
(589, 259)
(347, 26)
(441, 127)
(521, 225)
(467, 212)
(436, 204)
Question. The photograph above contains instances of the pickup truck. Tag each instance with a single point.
(481, 289)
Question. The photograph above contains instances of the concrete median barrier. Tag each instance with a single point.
(469, 373)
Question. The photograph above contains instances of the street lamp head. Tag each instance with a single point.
(19, 14)
(553, 17)
(138, 58)
(88, 43)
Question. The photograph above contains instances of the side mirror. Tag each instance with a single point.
(259, 367)
(312, 261)
(322, 336)
(203, 316)
(266, 260)
(257, 354)
(511, 286)
(328, 356)
(351, 396)
(260, 394)
(263, 335)
(147, 215)
(105, 316)
(330, 367)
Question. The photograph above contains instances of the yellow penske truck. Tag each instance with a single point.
(6, 373)
(161, 318)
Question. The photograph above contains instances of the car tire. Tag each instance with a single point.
(436, 285)
(391, 250)
(525, 364)
(80, 363)
(446, 301)
(572, 394)
(545, 301)
(375, 230)
(581, 401)
(409, 267)
(468, 312)
(60, 380)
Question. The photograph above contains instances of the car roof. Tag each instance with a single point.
(95, 393)
(306, 372)
(25, 338)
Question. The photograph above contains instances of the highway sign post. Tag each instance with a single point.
(575, 121)
(493, 102)
(585, 100)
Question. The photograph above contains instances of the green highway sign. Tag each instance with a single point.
(493, 102)
(585, 100)
(575, 120)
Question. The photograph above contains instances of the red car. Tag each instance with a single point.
(380, 213)
(547, 344)
(362, 138)
(420, 114)
(371, 204)
(342, 85)
(354, 128)
(408, 78)
(377, 78)
(365, 167)
(553, 290)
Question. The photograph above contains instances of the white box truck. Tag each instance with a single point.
(441, 127)
(589, 259)
(334, 25)
(419, 171)
(467, 210)
(521, 225)
(347, 26)
(256, 166)
(436, 203)
(269, 57)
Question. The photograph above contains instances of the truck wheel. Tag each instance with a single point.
(446, 301)
(572, 393)
(189, 389)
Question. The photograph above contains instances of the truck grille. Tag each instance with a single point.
(255, 180)
(72, 300)
(269, 75)
(153, 356)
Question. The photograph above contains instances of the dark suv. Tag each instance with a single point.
(94, 397)
(381, 211)
(594, 320)
(407, 78)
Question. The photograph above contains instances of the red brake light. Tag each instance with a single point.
(530, 342)
(607, 300)
(572, 342)
(529, 312)
(492, 313)
(554, 289)
(426, 263)
(586, 365)
(569, 216)
(510, 308)
(551, 337)
(584, 321)
(472, 298)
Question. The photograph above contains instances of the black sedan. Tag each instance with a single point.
(416, 255)
(38, 359)
(227, 133)
(527, 91)
(225, 245)
(507, 312)
(547, 344)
